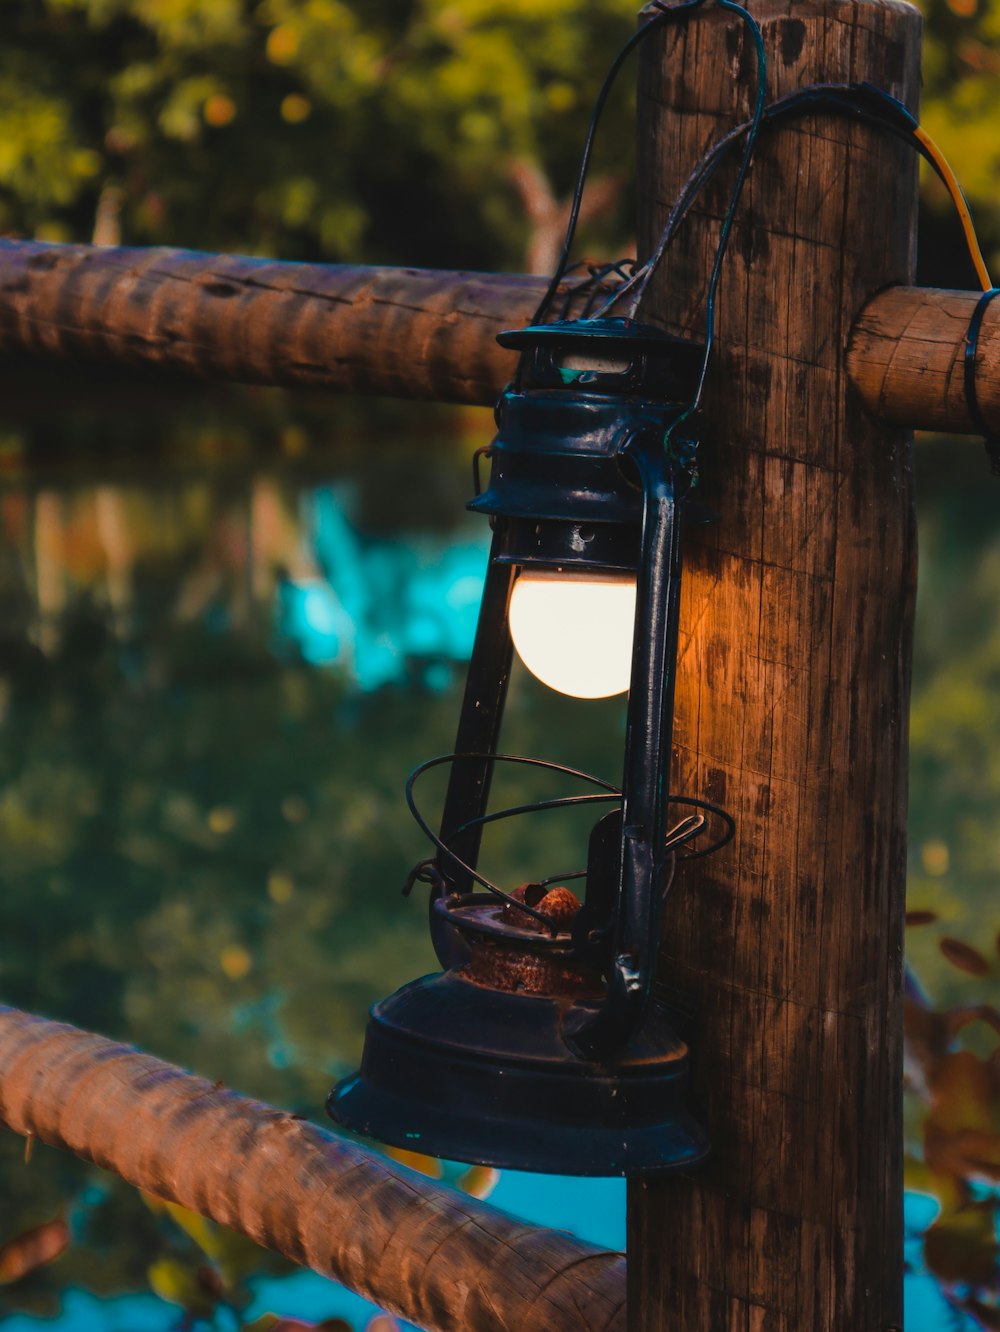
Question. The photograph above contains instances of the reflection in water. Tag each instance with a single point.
(383, 610)
(191, 664)
(214, 687)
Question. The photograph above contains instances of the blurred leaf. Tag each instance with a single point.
(32, 1249)
(964, 957)
(210, 1281)
(479, 1181)
(962, 1248)
(962, 1094)
(950, 1192)
(205, 1233)
(962, 1131)
(235, 1256)
(967, 1154)
(419, 1161)
(238, 1256)
(176, 1283)
(921, 917)
(987, 1315)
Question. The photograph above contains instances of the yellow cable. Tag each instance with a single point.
(961, 207)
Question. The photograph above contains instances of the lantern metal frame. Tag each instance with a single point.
(548, 1049)
(542, 1045)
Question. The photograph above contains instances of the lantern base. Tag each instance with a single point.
(455, 1069)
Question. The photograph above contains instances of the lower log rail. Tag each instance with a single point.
(418, 1249)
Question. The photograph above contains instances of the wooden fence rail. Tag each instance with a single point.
(436, 1257)
(906, 357)
(406, 332)
(401, 332)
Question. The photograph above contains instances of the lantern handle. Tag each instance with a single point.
(643, 852)
(665, 14)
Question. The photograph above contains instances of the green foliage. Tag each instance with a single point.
(953, 945)
(384, 131)
(32, 1249)
(961, 93)
(310, 128)
(955, 764)
(297, 129)
(960, 108)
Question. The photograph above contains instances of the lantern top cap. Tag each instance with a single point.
(615, 331)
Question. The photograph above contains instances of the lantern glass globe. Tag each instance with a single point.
(574, 631)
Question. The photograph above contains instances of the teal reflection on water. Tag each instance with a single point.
(382, 609)
(594, 1209)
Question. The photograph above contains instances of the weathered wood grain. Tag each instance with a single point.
(435, 1256)
(792, 694)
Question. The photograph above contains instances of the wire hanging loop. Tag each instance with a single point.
(991, 437)
(639, 281)
(665, 14)
(862, 102)
(751, 25)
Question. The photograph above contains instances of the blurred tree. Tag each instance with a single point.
(310, 128)
(961, 107)
(301, 129)
(962, 88)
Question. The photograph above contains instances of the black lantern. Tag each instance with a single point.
(545, 1043)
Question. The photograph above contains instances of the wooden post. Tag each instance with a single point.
(792, 692)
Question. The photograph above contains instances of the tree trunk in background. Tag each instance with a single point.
(548, 215)
(792, 691)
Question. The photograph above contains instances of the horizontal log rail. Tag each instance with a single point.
(407, 332)
(906, 357)
(435, 1256)
(401, 332)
